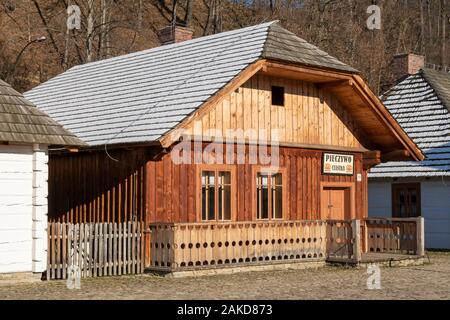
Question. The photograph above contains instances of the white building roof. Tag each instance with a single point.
(421, 105)
(137, 98)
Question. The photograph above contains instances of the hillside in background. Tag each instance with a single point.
(115, 27)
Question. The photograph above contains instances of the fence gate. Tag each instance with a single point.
(97, 249)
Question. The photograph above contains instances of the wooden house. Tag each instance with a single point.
(420, 102)
(26, 133)
(135, 110)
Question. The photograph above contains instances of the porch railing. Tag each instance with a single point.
(401, 236)
(194, 246)
(178, 246)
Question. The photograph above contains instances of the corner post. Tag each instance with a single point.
(420, 236)
(356, 229)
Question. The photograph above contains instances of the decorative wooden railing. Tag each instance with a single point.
(177, 247)
(402, 236)
(193, 246)
(341, 241)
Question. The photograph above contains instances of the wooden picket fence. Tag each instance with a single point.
(96, 249)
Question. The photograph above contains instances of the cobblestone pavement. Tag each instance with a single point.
(430, 281)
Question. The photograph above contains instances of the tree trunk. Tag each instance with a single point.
(443, 16)
(90, 31)
(422, 27)
(140, 16)
(174, 12)
(188, 16)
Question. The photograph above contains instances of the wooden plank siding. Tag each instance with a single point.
(90, 187)
(310, 116)
(302, 179)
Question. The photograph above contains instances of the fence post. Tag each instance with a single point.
(420, 236)
(147, 243)
(356, 229)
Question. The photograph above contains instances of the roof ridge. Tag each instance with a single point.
(315, 56)
(440, 86)
(183, 43)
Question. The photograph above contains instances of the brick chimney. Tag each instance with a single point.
(407, 64)
(174, 34)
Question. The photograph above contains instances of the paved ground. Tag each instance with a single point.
(431, 281)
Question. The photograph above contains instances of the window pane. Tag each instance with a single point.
(208, 200)
(277, 202)
(277, 96)
(262, 198)
(277, 179)
(226, 203)
(402, 204)
(224, 195)
(211, 207)
(264, 202)
(204, 202)
(224, 177)
(413, 197)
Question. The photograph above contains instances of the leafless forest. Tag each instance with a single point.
(115, 27)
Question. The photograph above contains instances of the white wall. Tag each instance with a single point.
(380, 199)
(435, 197)
(23, 208)
(436, 210)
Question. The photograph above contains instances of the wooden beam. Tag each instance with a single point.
(315, 75)
(282, 144)
(396, 155)
(371, 159)
(386, 118)
(336, 84)
(72, 149)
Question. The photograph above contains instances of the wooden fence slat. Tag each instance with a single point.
(105, 249)
(138, 247)
(86, 250)
(115, 249)
(91, 249)
(110, 257)
(52, 252)
(133, 247)
(64, 251)
(119, 258)
(96, 232)
(70, 245)
(100, 250)
(58, 250)
(49, 250)
(128, 256)
(80, 249)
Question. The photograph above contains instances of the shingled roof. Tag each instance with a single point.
(137, 98)
(22, 122)
(421, 105)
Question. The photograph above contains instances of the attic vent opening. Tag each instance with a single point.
(278, 96)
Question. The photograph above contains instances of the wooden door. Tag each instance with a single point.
(335, 203)
(406, 200)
